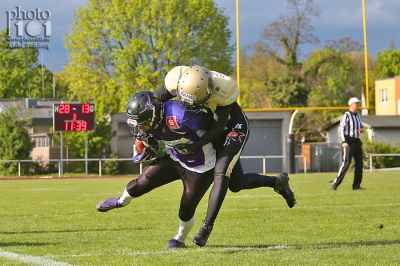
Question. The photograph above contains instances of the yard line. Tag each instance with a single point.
(31, 259)
(180, 251)
(347, 206)
(300, 206)
(218, 249)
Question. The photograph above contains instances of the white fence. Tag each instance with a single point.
(100, 160)
(376, 155)
(59, 161)
(275, 156)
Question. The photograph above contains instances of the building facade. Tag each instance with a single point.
(387, 96)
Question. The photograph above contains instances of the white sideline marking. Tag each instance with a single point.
(31, 259)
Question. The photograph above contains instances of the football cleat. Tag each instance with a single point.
(202, 236)
(173, 243)
(108, 204)
(282, 188)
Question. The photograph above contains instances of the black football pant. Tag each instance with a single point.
(354, 150)
(228, 171)
(164, 170)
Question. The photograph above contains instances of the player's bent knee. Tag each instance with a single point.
(235, 188)
(185, 214)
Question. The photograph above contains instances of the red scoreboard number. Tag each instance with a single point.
(73, 117)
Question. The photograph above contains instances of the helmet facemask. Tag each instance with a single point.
(142, 108)
(194, 89)
(193, 107)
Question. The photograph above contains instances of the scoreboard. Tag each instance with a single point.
(73, 117)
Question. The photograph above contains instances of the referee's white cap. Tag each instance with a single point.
(354, 100)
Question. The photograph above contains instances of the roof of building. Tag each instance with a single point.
(40, 110)
(371, 121)
(397, 77)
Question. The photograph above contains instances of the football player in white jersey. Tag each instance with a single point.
(198, 88)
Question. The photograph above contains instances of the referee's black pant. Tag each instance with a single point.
(354, 150)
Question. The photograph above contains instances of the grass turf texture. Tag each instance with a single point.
(56, 220)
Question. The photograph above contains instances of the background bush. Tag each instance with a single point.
(381, 161)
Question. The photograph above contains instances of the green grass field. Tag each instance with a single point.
(54, 222)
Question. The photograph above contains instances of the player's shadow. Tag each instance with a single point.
(72, 231)
(235, 249)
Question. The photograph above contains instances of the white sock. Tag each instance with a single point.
(125, 199)
(184, 229)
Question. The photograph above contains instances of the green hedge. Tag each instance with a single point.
(381, 161)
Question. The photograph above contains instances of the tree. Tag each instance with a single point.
(40, 85)
(18, 69)
(388, 63)
(334, 74)
(119, 47)
(62, 84)
(15, 142)
(283, 39)
(338, 78)
(257, 67)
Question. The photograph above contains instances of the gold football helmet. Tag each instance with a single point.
(195, 86)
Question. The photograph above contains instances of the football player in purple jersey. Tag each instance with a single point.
(168, 123)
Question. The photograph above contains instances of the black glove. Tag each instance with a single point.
(183, 148)
(152, 143)
(145, 156)
(152, 147)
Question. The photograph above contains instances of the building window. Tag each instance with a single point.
(383, 95)
(41, 142)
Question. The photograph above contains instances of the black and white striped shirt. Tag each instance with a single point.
(349, 125)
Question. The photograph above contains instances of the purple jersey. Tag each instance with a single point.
(180, 127)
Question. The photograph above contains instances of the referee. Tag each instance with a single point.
(350, 131)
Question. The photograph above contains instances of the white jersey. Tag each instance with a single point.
(225, 90)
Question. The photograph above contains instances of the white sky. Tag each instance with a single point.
(338, 19)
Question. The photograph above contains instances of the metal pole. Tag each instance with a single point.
(99, 166)
(264, 165)
(237, 49)
(291, 121)
(42, 77)
(86, 153)
(291, 156)
(54, 82)
(370, 162)
(19, 168)
(61, 154)
(290, 143)
(54, 87)
(365, 54)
